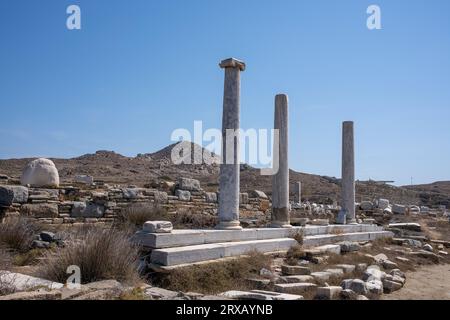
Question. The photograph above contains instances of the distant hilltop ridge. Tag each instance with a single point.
(145, 168)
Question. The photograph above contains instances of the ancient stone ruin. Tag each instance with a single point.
(297, 233)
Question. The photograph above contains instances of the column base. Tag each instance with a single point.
(280, 224)
(229, 225)
(280, 218)
(341, 217)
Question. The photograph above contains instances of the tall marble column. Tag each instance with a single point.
(229, 182)
(347, 214)
(298, 192)
(280, 181)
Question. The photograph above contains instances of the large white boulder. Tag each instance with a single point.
(40, 173)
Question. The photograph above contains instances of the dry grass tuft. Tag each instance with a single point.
(133, 294)
(294, 254)
(6, 285)
(136, 214)
(100, 253)
(298, 236)
(338, 231)
(188, 218)
(5, 259)
(216, 277)
(28, 258)
(17, 233)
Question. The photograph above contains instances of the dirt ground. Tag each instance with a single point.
(427, 283)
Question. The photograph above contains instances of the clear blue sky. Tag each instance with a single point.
(140, 69)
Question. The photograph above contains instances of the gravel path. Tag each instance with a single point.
(427, 283)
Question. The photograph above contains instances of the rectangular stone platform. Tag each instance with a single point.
(185, 247)
(318, 240)
(197, 253)
(180, 238)
(209, 252)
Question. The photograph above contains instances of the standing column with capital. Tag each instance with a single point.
(347, 213)
(280, 180)
(229, 181)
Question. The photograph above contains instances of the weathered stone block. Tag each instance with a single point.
(321, 276)
(183, 195)
(189, 184)
(328, 293)
(295, 270)
(22, 282)
(356, 285)
(87, 210)
(83, 179)
(366, 205)
(347, 268)
(13, 194)
(297, 279)
(398, 209)
(157, 227)
(40, 210)
(335, 272)
(295, 287)
(348, 246)
(390, 286)
(6, 197)
(406, 226)
(161, 197)
(372, 273)
(211, 197)
(131, 193)
(243, 198)
(383, 204)
(258, 194)
(260, 295)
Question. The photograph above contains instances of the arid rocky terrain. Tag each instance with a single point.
(145, 169)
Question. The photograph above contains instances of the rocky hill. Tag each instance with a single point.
(145, 169)
(435, 193)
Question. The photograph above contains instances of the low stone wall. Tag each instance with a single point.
(102, 204)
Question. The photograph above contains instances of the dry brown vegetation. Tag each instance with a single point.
(216, 277)
(28, 258)
(294, 254)
(17, 233)
(6, 286)
(5, 259)
(136, 214)
(189, 219)
(100, 253)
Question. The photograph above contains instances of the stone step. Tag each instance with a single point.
(260, 295)
(318, 240)
(180, 238)
(204, 252)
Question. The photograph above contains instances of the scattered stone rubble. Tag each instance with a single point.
(298, 280)
(24, 287)
(101, 204)
(87, 201)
